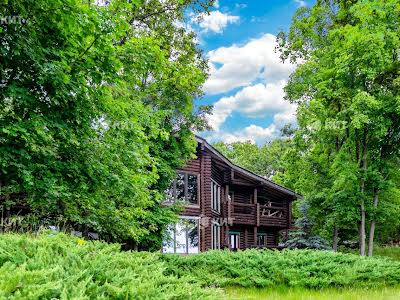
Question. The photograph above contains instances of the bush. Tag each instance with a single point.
(294, 268)
(59, 266)
(300, 240)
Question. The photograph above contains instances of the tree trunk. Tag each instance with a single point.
(362, 229)
(364, 171)
(335, 238)
(372, 226)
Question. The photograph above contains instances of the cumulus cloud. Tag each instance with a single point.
(215, 21)
(257, 100)
(257, 134)
(256, 69)
(238, 66)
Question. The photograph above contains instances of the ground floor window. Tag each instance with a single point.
(216, 235)
(234, 240)
(182, 237)
(261, 239)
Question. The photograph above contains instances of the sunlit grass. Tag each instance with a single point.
(282, 293)
(392, 252)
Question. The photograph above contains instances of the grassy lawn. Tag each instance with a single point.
(392, 252)
(307, 294)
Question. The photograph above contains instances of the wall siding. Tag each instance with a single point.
(208, 170)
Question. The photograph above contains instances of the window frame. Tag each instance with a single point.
(216, 209)
(214, 245)
(186, 237)
(236, 236)
(185, 186)
(264, 234)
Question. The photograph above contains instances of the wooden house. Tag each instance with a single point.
(226, 206)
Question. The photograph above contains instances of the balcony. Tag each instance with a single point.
(270, 214)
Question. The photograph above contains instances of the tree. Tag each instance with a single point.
(265, 160)
(96, 111)
(347, 88)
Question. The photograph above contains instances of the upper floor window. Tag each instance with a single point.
(184, 188)
(215, 196)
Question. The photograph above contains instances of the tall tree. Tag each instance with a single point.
(347, 88)
(96, 110)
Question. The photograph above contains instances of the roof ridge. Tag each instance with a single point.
(235, 166)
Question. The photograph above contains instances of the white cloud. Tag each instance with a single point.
(252, 133)
(301, 3)
(257, 100)
(238, 66)
(216, 4)
(256, 68)
(257, 134)
(215, 21)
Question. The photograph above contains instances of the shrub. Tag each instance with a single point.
(59, 266)
(294, 268)
(300, 240)
(63, 267)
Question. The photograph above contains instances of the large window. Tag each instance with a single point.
(216, 236)
(182, 237)
(184, 188)
(215, 196)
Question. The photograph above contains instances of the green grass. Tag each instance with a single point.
(284, 293)
(392, 252)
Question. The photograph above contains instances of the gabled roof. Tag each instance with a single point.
(247, 173)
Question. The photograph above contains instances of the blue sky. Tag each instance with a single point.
(246, 76)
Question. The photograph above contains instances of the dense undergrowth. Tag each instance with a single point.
(57, 266)
(63, 267)
(294, 268)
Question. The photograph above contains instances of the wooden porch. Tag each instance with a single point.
(273, 214)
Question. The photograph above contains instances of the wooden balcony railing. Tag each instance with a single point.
(271, 214)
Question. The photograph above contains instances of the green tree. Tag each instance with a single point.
(347, 88)
(265, 160)
(96, 110)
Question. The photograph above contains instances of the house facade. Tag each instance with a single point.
(226, 206)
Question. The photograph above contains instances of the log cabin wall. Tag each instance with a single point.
(209, 169)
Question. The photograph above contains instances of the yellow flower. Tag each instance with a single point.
(81, 242)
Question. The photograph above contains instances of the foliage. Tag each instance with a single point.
(54, 265)
(290, 268)
(347, 89)
(302, 238)
(96, 111)
(57, 266)
(265, 160)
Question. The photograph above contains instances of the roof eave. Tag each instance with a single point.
(252, 175)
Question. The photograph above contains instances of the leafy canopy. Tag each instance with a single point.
(96, 110)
